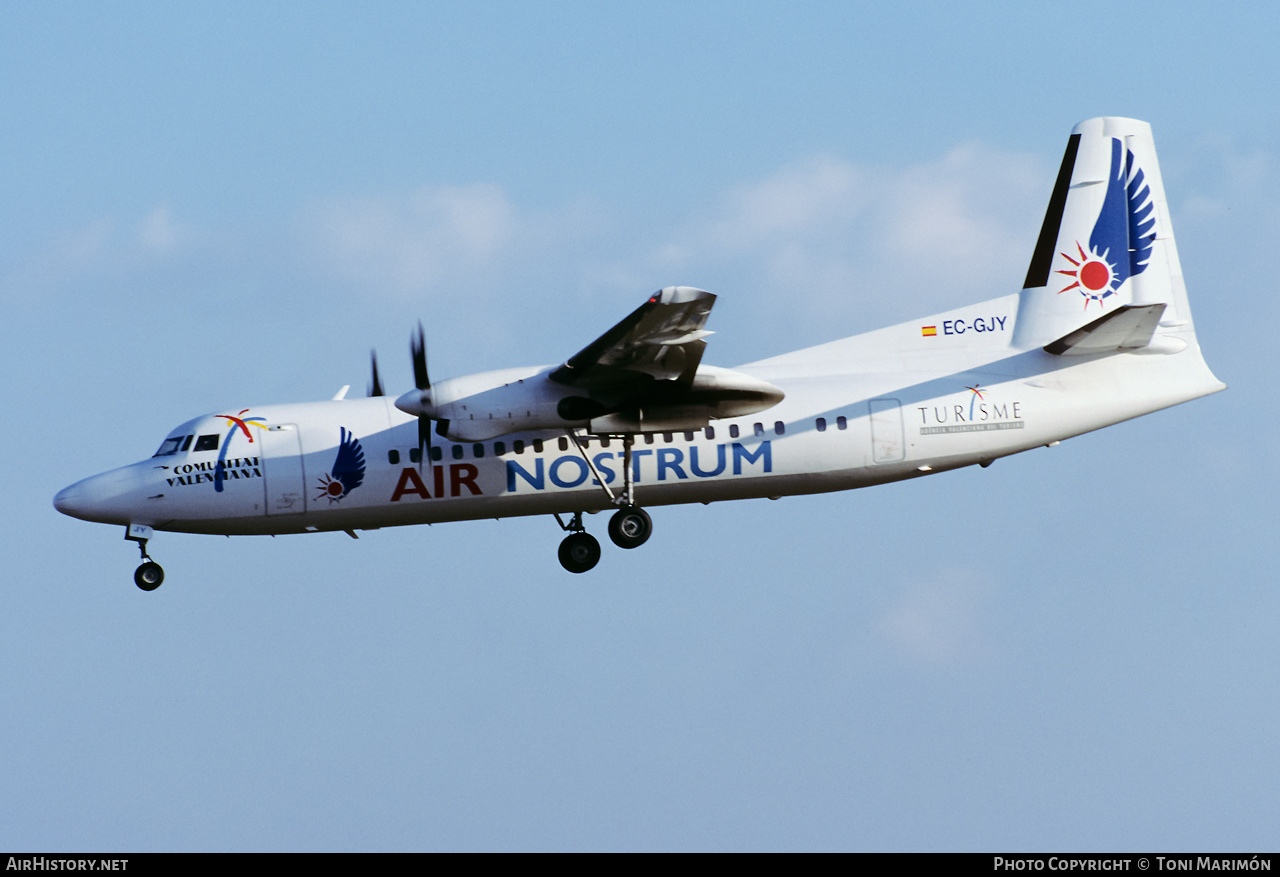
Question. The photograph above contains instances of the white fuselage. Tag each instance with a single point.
(926, 396)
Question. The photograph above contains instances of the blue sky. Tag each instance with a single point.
(217, 206)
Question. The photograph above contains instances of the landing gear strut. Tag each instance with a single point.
(579, 551)
(150, 575)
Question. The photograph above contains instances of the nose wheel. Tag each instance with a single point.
(150, 575)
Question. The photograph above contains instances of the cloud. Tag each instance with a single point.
(797, 202)
(99, 250)
(939, 622)
(159, 233)
(823, 240)
(840, 238)
(836, 237)
(1220, 181)
(413, 243)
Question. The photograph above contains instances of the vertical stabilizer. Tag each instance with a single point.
(1106, 241)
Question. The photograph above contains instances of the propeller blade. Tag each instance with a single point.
(424, 439)
(418, 347)
(421, 380)
(375, 388)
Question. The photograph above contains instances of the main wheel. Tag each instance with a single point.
(579, 552)
(149, 576)
(630, 527)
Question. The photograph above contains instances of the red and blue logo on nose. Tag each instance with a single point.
(1122, 237)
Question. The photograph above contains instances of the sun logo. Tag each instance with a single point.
(1093, 274)
(348, 469)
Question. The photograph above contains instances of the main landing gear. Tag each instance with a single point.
(150, 575)
(579, 551)
(630, 526)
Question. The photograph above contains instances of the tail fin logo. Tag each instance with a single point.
(1122, 238)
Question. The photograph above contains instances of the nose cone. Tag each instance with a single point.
(68, 500)
(109, 498)
(415, 402)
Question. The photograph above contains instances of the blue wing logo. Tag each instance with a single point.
(1122, 238)
(348, 469)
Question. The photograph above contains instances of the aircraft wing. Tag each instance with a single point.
(660, 340)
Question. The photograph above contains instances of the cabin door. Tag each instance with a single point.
(283, 469)
(887, 442)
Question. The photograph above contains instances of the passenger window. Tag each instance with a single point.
(457, 452)
(688, 436)
(207, 443)
(437, 454)
(477, 450)
(563, 443)
(648, 438)
(841, 423)
(733, 430)
(393, 457)
(415, 455)
(758, 430)
(604, 441)
(822, 424)
(517, 446)
(779, 427)
(537, 446)
(667, 437)
(710, 433)
(499, 448)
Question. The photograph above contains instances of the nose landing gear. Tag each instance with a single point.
(150, 575)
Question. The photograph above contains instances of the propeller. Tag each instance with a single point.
(421, 402)
(421, 380)
(375, 387)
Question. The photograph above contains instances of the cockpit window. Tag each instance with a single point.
(172, 445)
(207, 443)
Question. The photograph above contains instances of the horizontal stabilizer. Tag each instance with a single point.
(1128, 328)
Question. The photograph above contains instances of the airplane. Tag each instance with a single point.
(1101, 332)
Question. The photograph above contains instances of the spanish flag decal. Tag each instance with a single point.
(928, 330)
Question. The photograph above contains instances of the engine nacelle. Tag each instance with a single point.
(715, 394)
(487, 405)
